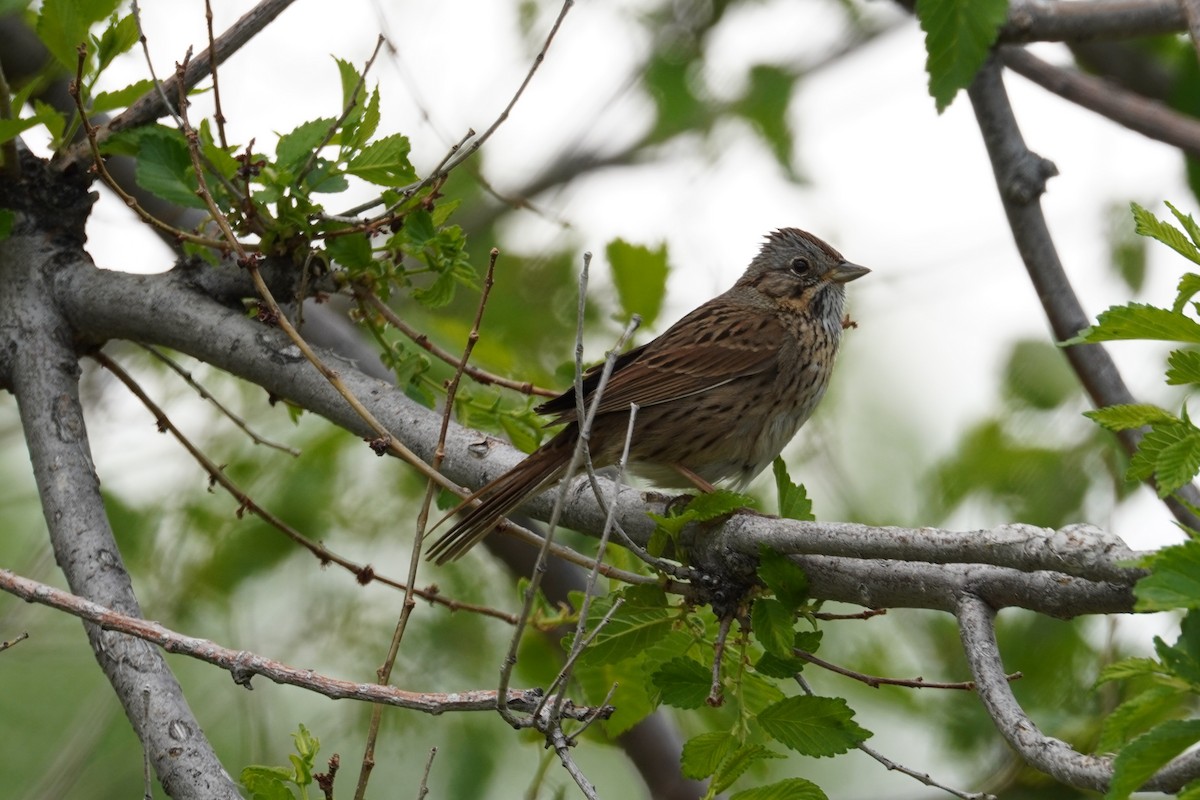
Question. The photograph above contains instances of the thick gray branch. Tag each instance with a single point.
(1039, 20)
(976, 625)
(41, 367)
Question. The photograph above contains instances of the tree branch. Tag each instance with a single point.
(42, 369)
(1021, 179)
(244, 665)
(1052, 756)
(1033, 20)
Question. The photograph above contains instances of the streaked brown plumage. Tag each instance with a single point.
(719, 393)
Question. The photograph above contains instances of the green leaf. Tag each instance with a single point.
(353, 252)
(63, 25)
(683, 682)
(813, 726)
(1142, 757)
(1183, 367)
(7, 218)
(164, 167)
(384, 162)
(267, 783)
(1189, 792)
(1129, 668)
(119, 37)
(1183, 658)
(790, 789)
(704, 753)
(1140, 321)
(53, 120)
(1170, 451)
(732, 767)
(1138, 713)
(773, 626)
(640, 275)
(958, 36)
(1174, 580)
(1037, 375)
(294, 147)
(632, 629)
(1189, 285)
(1134, 415)
(793, 498)
(772, 666)
(1146, 224)
(120, 98)
(765, 105)
(12, 128)
(783, 577)
(1189, 224)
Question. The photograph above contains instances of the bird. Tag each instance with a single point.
(719, 393)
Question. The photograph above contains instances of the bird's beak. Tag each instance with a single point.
(846, 272)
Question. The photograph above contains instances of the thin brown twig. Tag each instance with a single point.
(422, 340)
(385, 671)
(423, 789)
(866, 613)
(10, 642)
(363, 574)
(206, 395)
(243, 665)
(715, 695)
(874, 681)
(218, 115)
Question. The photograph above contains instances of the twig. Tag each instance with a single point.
(715, 695)
(1129, 109)
(422, 340)
(865, 614)
(385, 671)
(243, 665)
(363, 574)
(562, 747)
(892, 766)
(875, 681)
(1021, 179)
(9, 643)
(423, 788)
(218, 115)
(225, 410)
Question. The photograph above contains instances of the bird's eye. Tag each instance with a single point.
(799, 266)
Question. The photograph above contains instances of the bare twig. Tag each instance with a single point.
(715, 696)
(874, 681)
(244, 665)
(385, 671)
(17, 640)
(218, 114)
(1135, 112)
(423, 789)
(225, 410)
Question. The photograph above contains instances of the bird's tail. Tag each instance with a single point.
(498, 498)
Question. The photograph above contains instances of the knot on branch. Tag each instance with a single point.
(49, 201)
(1026, 178)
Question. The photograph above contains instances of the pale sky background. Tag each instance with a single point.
(892, 185)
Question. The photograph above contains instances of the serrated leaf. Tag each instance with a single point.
(793, 498)
(790, 789)
(120, 98)
(958, 36)
(773, 626)
(1138, 713)
(120, 35)
(1129, 668)
(813, 726)
(1174, 580)
(772, 666)
(758, 693)
(1146, 224)
(1189, 224)
(683, 682)
(784, 577)
(63, 25)
(702, 754)
(164, 167)
(634, 697)
(12, 128)
(1178, 461)
(1183, 367)
(1140, 321)
(1189, 285)
(1133, 415)
(384, 162)
(1142, 757)
(741, 760)
(640, 275)
(712, 505)
(354, 252)
(627, 634)
(293, 149)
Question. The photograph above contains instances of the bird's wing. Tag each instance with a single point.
(708, 348)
